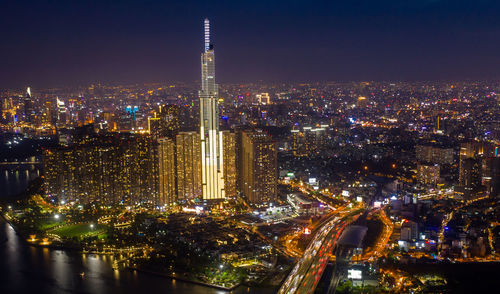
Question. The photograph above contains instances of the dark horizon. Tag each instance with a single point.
(66, 44)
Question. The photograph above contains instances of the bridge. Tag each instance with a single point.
(349, 240)
(306, 274)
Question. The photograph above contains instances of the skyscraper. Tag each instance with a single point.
(259, 167)
(188, 166)
(212, 177)
(166, 170)
(230, 174)
(29, 112)
(472, 156)
(165, 123)
(61, 113)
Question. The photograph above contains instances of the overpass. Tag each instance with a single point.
(306, 274)
(349, 240)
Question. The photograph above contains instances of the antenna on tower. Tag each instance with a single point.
(207, 34)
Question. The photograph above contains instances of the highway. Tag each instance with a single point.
(308, 271)
(382, 240)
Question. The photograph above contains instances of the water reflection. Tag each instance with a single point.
(15, 178)
(27, 269)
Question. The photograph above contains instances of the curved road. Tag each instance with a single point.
(308, 271)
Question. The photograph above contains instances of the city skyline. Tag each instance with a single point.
(253, 187)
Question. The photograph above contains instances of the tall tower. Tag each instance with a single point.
(29, 112)
(212, 182)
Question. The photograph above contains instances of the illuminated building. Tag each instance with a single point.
(61, 113)
(259, 167)
(491, 175)
(362, 102)
(428, 174)
(472, 156)
(470, 175)
(309, 141)
(409, 231)
(188, 165)
(230, 175)
(50, 117)
(154, 126)
(142, 177)
(434, 154)
(297, 139)
(238, 132)
(212, 177)
(165, 123)
(29, 111)
(166, 171)
(263, 98)
(103, 169)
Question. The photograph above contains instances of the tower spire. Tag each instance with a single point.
(207, 34)
(212, 174)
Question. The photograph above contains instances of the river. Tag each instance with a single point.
(28, 269)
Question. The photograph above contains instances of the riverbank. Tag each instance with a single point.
(71, 249)
(29, 269)
(25, 238)
(228, 289)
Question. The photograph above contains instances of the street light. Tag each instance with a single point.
(91, 226)
(57, 216)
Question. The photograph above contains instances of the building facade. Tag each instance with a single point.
(259, 167)
(166, 172)
(188, 165)
(212, 177)
(230, 175)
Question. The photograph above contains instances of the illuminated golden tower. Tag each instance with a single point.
(212, 177)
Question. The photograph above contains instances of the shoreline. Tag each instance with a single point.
(228, 289)
(65, 248)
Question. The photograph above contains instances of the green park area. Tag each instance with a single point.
(48, 223)
(81, 231)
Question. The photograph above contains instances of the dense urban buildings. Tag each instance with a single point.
(262, 183)
(118, 168)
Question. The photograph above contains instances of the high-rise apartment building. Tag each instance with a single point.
(188, 165)
(229, 140)
(309, 141)
(259, 167)
(491, 175)
(103, 169)
(472, 166)
(49, 114)
(166, 172)
(212, 177)
(428, 173)
(434, 154)
(165, 123)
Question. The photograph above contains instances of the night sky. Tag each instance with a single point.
(56, 43)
